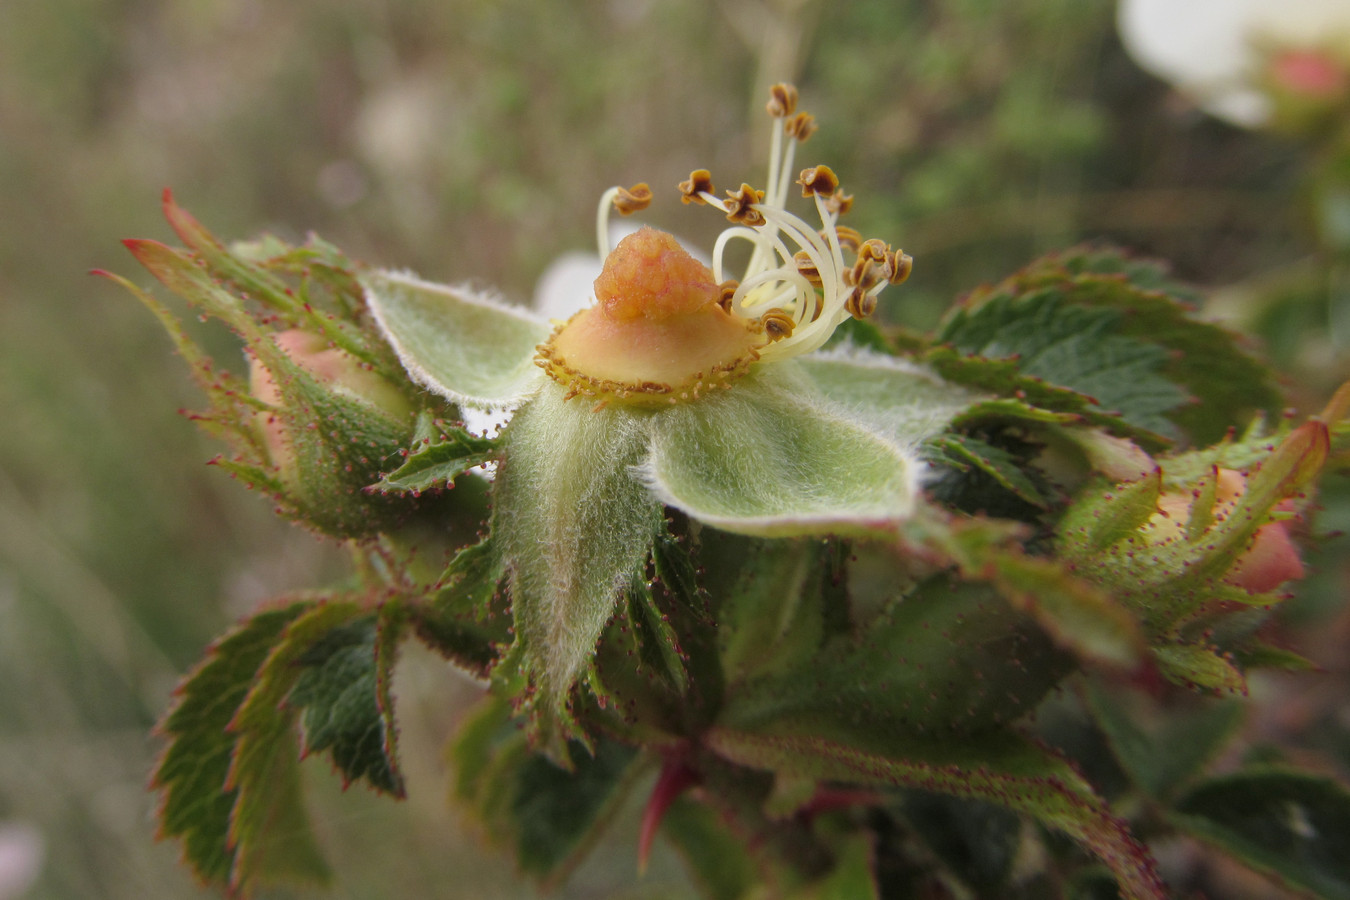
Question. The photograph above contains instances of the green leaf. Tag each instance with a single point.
(762, 459)
(718, 860)
(342, 693)
(469, 348)
(852, 878)
(467, 618)
(1164, 756)
(772, 619)
(197, 799)
(556, 815)
(658, 646)
(575, 528)
(1074, 347)
(440, 454)
(978, 841)
(267, 829)
(999, 464)
(997, 767)
(949, 657)
(1292, 825)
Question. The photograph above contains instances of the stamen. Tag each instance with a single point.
(634, 199)
(740, 206)
(782, 101)
(777, 324)
(801, 126)
(839, 203)
(818, 180)
(848, 237)
(728, 291)
(698, 184)
(901, 264)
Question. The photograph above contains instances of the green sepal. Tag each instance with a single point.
(1107, 514)
(1293, 825)
(198, 800)
(763, 459)
(1199, 666)
(440, 453)
(575, 528)
(467, 347)
(998, 767)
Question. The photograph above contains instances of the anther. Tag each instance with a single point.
(899, 265)
(778, 324)
(818, 180)
(727, 290)
(873, 249)
(849, 238)
(801, 126)
(839, 203)
(699, 182)
(807, 268)
(740, 206)
(782, 101)
(860, 304)
(634, 199)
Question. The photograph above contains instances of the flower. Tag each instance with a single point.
(678, 387)
(1239, 58)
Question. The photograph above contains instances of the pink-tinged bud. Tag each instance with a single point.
(1269, 561)
(330, 367)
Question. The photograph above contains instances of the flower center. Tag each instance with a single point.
(657, 332)
(666, 328)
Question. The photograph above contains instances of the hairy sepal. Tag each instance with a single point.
(765, 458)
(575, 529)
(467, 347)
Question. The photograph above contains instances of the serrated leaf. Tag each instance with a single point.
(193, 774)
(466, 347)
(762, 460)
(266, 749)
(467, 617)
(996, 462)
(1292, 825)
(658, 646)
(997, 767)
(440, 454)
(342, 695)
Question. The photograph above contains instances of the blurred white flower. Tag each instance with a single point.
(1226, 54)
(21, 853)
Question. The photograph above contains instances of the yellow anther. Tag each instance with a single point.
(782, 101)
(801, 126)
(740, 206)
(807, 268)
(699, 182)
(839, 203)
(849, 238)
(818, 180)
(778, 324)
(728, 291)
(860, 304)
(633, 199)
(874, 250)
(899, 266)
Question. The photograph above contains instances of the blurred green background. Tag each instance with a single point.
(469, 141)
